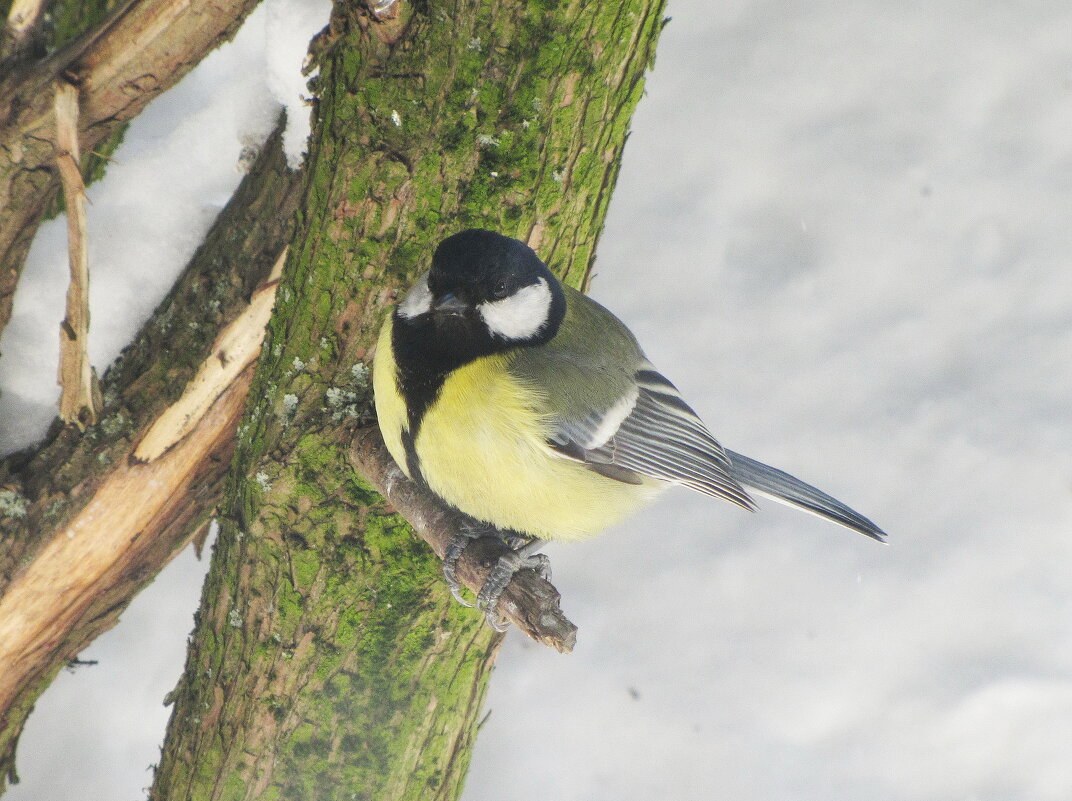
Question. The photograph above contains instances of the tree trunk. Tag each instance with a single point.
(58, 592)
(329, 660)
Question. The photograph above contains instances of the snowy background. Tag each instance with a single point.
(845, 231)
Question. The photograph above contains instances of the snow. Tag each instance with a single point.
(843, 231)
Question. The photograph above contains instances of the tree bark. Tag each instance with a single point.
(139, 50)
(57, 593)
(329, 660)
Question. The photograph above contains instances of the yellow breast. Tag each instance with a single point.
(482, 447)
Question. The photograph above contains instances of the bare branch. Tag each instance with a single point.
(79, 402)
(24, 16)
(48, 599)
(44, 602)
(234, 349)
(529, 602)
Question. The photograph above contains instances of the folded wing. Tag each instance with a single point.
(650, 431)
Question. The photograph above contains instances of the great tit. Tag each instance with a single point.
(529, 407)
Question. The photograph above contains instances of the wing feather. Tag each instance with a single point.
(659, 436)
(664, 438)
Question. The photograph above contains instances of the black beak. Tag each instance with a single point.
(450, 304)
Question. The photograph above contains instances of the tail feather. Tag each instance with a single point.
(781, 486)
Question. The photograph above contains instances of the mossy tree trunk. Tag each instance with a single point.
(329, 660)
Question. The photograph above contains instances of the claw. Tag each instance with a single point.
(450, 566)
(500, 624)
(542, 565)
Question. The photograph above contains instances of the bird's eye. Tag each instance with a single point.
(500, 290)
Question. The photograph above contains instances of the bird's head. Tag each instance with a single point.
(486, 292)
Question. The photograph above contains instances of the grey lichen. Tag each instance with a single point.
(289, 408)
(113, 424)
(12, 504)
(351, 400)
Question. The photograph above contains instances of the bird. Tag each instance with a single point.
(531, 409)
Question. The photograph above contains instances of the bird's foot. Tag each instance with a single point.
(467, 532)
(521, 558)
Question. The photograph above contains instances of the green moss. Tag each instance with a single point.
(234, 789)
(306, 566)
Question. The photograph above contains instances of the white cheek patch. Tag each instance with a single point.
(417, 301)
(520, 316)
